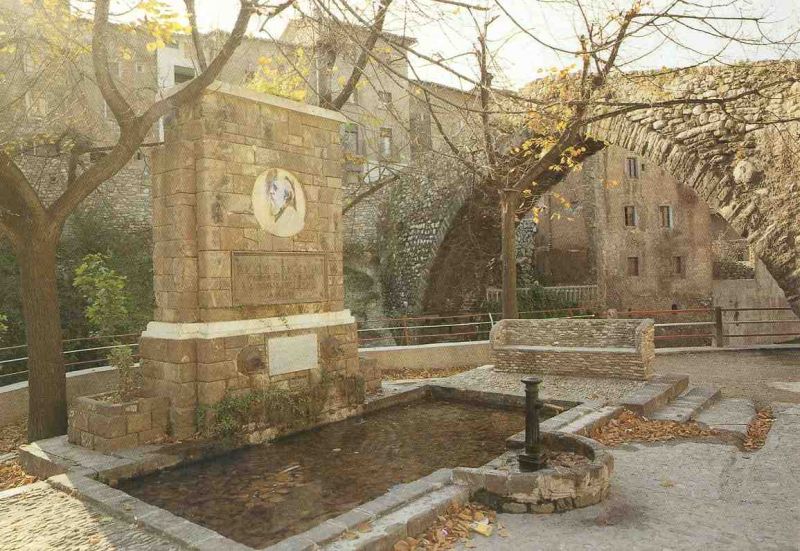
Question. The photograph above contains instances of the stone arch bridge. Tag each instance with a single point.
(742, 157)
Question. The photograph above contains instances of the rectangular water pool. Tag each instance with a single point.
(262, 494)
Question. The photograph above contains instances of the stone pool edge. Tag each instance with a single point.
(405, 509)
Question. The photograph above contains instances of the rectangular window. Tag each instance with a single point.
(183, 74)
(115, 69)
(385, 98)
(631, 218)
(140, 68)
(350, 140)
(386, 142)
(632, 167)
(666, 216)
(678, 266)
(633, 266)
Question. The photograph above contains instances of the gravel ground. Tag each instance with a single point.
(44, 518)
(554, 387)
(740, 374)
(679, 496)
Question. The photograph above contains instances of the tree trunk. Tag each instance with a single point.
(47, 405)
(509, 200)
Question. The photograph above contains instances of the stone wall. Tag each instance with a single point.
(598, 348)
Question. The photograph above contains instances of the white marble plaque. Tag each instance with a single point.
(279, 202)
(289, 354)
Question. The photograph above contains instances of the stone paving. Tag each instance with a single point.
(680, 496)
(41, 517)
(576, 389)
(763, 376)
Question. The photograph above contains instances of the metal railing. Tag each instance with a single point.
(686, 327)
(79, 353)
(580, 295)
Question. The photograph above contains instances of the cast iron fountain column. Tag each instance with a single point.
(531, 458)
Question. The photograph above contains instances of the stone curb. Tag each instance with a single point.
(688, 404)
(410, 520)
(375, 511)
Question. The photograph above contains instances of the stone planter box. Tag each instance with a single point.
(106, 426)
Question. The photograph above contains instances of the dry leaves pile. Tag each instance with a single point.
(400, 374)
(556, 459)
(457, 525)
(12, 475)
(758, 428)
(629, 427)
(13, 436)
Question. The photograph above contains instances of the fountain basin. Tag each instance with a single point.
(501, 485)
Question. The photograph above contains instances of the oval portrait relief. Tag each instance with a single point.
(279, 202)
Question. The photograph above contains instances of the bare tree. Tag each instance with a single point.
(33, 226)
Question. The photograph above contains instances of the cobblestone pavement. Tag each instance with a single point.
(680, 496)
(559, 387)
(739, 374)
(41, 517)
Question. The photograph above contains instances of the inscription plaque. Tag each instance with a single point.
(262, 279)
(289, 354)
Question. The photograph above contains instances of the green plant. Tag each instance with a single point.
(130, 375)
(107, 303)
(277, 407)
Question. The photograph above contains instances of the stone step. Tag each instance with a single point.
(657, 393)
(411, 520)
(688, 404)
(731, 415)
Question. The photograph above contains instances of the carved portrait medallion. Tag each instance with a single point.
(279, 202)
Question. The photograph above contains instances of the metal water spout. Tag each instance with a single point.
(531, 458)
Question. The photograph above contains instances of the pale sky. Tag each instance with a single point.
(449, 32)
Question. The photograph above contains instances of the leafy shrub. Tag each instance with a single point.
(104, 291)
(130, 374)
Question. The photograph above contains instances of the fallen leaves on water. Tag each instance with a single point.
(457, 525)
(630, 427)
(12, 476)
(758, 429)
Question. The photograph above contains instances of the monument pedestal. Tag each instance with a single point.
(248, 254)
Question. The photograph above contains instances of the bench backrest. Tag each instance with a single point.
(592, 333)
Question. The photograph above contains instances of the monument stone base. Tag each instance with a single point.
(198, 364)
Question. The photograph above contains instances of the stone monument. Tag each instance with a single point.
(247, 222)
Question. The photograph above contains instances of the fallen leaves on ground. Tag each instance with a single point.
(12, 475)
(556, 459)
(402, 373)
(457, 525)
(13, 436)
(630, 427)
(758, 429)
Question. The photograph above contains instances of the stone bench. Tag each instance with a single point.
(620, 348)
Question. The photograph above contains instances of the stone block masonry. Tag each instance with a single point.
(600, 348)
(249, 284)
(106, 426)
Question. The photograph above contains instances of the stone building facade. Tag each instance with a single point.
(649, 243)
